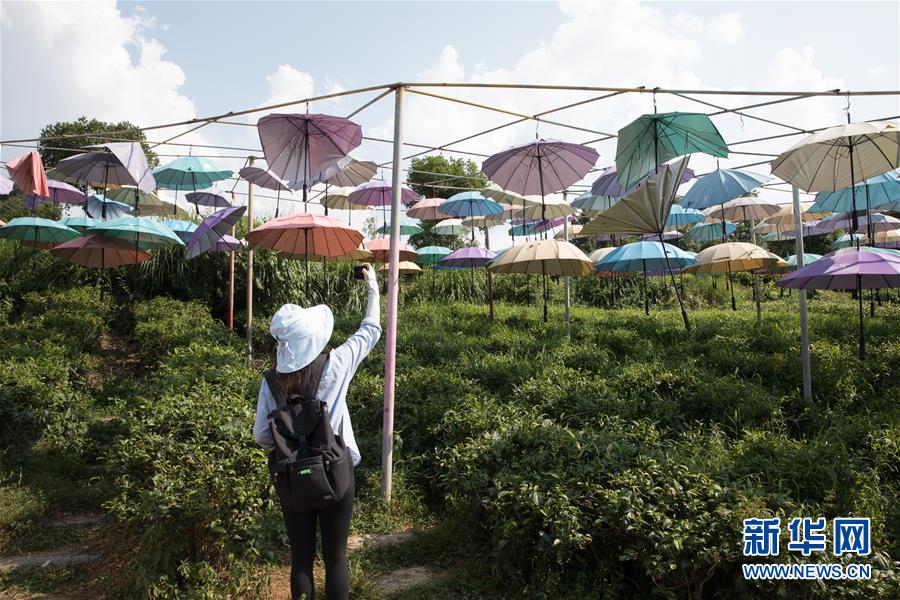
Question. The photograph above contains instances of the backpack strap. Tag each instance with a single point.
(316, 367)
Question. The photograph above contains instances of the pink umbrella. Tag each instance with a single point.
(849, 269)
(540, 167)
(6, 185)
(266, 179)
(60, 193)
(100, 252)
(427, 209)
(381, 250)
(378, 193)
(28, 173)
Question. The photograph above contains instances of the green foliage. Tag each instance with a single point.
(14, 206)
(66, 138)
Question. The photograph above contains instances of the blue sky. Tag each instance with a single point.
(153, 62)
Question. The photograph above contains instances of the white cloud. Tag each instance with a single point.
(878, 71)
(288, 83)
(727, 29)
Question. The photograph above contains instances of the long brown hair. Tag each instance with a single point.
(295, 382)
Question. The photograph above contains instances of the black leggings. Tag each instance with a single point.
(301, 529)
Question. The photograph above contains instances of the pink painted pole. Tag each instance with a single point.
(231, 284)
(390, 344)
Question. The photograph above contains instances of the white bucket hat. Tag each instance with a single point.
(301, 334)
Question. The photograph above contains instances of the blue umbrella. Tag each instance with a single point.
(710, 232)
(594, 203)
(99, 206)
(847, 240)
(882, 190)
(183, 229)
(641, 257)
(680, 216)
(470, 204)
(720, 186)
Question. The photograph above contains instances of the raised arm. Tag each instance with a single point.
(358, 345)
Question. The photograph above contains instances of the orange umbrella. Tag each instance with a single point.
(99, 252)
(381, 250)
(28, 173)
(306, 234)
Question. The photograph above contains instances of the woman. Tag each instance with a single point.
(301, 334)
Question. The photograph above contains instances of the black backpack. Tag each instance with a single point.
(310, 465)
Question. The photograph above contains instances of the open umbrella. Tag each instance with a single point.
(486, 221)
(228, 243)
(608, 183)
(653, 139)
(212, 230)
(720, 186)
(887, 239)
(427, 209)
(550, 210)
(149, 204)
(208, 198)
(681, 217)
(60, 193)
(847, 240)
(710, 232)
(404, 267)
(183, 229)
(79, 223)
(6, 185)
(189, 173)
(450, 227)
(27, 171)
(131, 156)
(849, 269)
(144, 232)
(349, 172)
(266, 179)
(99, 252)
(407, 227)
(469, 257)
(37, 232)
(591, 204)
(872, 223)
(745, 208)
(878, 191)
(378, 193)
(381, 250)
(783, 220)
(100, 170)
(791, 263)
(298, 147)
(498, 194)
(574, 232)
(339, 199)
(100, 207)
(430, 255)
(733, 257)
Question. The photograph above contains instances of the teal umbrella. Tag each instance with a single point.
(79, 222)
(847, 240)
(189, 173)
(183, 229)
(407, 227)
(430, 255)
(591, 203)
(35, 231)
(145, 232)
(651, 140)
(710, 232)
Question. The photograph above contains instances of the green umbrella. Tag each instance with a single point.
(189, 173)
(651, 140)
(407, 227)
(36, 231)
(430, 255)
(149, 203)
(80, 223)
(147, 233)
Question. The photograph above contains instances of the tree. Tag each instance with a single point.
(437, 176)
(53, 145)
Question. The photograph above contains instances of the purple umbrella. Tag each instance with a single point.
(548, 224)
(131, 156)
(849, 269)
(467, 257)
(266, 179)
(298, 146)
(6, 185)
(608, 183)
(60, 193)
(667, 235)
(540, 167)
(378, 193)
(208, 198)
(212, 230)
(228, 243)
(844, 220)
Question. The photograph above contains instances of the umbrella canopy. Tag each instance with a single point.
(783, 220)
(381, 248)
(306, 234)
(847, 240)
(791, 263)
(427, 209)
(298, 146)
(358, 254)
(6, 185)
(651, 140)
(844, 221)
(228, 243)
(131, 156)
(549, 210)
(745, 208)
(498, 194)
(680, 216)
(37, 231)
(349, 172)
(808, 229)
(212, 230)
(470, 204)
(468, 257)
(79, 223)
(521, 229)
(490, 220)
(540, 167)
(821, 162)
(28, 173)
(149, 204)
(666, 235)
(60, 193)
(592, 204)
(378, 193)
(208, 198)
(608, 183)
(99, 206)
(404, 267)
(430, 255)
(99, 252)
(710, 232)
(644, 210)
(338, 199)
(733, 257)
(96, 169)
(847, 269)
(183, 229)
(720, 186)
(263, 178)
(190, 173)
(574, 232)
(544, 257)
(543, 225)
(407, 227)
(887, 239)
(450, 227)
(880, 190)
(601, 253)
(643, 256)
(147, 233)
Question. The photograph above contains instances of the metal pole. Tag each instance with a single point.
(568, 284)
(250, 264)
(390, 349)
(804, 326)
(231, 283)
